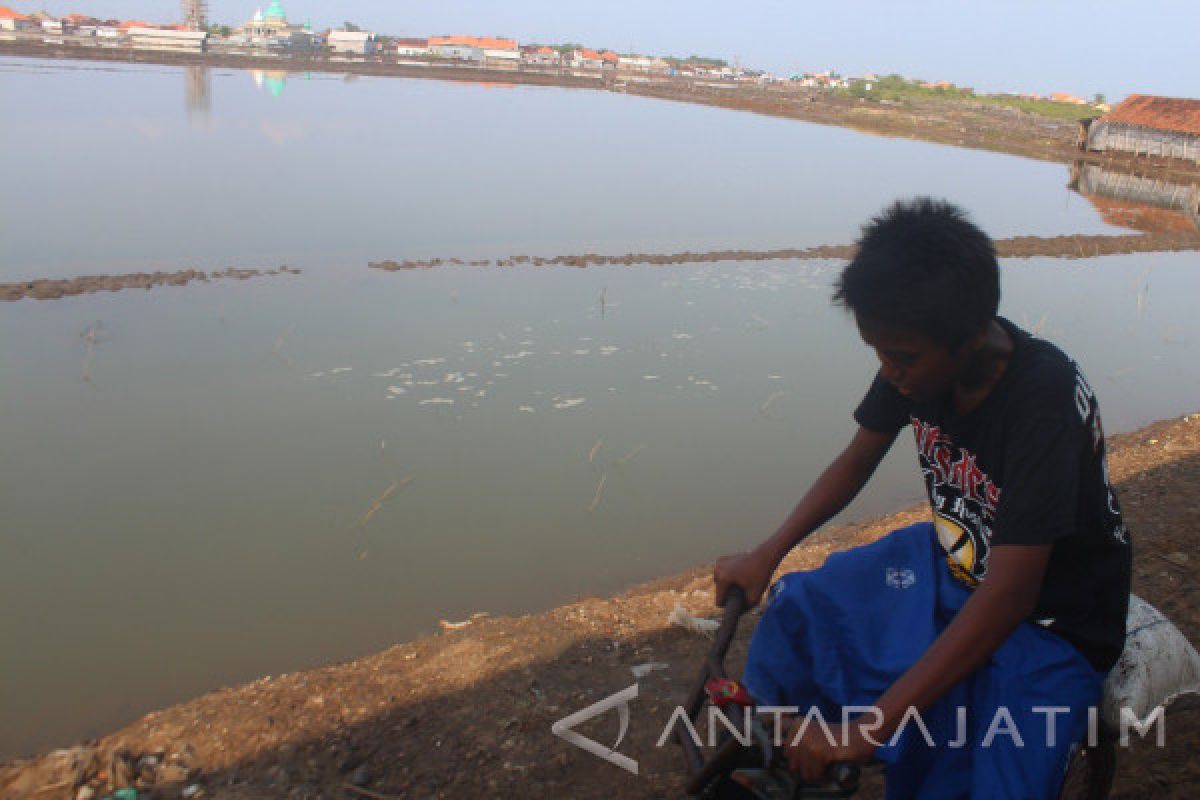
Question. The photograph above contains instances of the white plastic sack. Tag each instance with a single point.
(1157, 665)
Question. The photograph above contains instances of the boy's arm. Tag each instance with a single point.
(837, 486)
(1001, 602)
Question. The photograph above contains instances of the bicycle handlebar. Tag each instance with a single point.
(735, 601)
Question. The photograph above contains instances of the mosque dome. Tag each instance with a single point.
(275, 11)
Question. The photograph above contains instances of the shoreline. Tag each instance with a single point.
(958, 124)
(467, 712)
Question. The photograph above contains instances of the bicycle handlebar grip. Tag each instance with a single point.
(735, 601)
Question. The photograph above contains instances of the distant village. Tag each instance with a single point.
(1141, 125)
(268, 31)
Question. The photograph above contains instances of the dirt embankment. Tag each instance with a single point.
(1068, 246)
(55, 288)
(952, 122)
(962, 124)
(1073, 246)
(467, 713)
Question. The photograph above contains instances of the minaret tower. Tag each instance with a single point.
(195, 14)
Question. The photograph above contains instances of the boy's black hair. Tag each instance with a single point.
(923, 266)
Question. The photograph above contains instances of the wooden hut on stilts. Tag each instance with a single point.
(1147, 125)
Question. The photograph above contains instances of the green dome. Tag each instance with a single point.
(275, 11)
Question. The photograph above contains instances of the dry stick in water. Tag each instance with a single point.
(378, 504)
(595, 449)
(279, 340)
(87, 362)
(765, 407)
(1143, 292)
(599, 491)
(370, 512)
(278, 346)
(91, 336)
(628, 456)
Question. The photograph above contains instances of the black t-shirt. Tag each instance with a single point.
(1026, 466)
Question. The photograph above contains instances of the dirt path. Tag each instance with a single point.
(467, 713)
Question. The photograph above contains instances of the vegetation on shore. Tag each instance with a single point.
(898, 89)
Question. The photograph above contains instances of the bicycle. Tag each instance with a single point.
(763, 766)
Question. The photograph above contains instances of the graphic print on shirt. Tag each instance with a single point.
(1089, 414)
(963, 499)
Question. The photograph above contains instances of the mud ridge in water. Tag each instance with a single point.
(54, 288)
(1070, 246)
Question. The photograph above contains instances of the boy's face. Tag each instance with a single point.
(920, 368)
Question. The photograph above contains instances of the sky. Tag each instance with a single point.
(1098, 46)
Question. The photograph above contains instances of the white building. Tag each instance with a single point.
(411, 47)
(13, 21)
(642, 64)
(586, 59)
(157, 39)
(458, 52)
(502, 55)
(477, 48)
(359, 43)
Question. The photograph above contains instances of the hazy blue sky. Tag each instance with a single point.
(1019, 45)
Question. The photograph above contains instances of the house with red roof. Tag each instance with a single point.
(586, 58)
(476, 48)
(1147, 125)
(15, 21)
(540, 55)
(410, 46)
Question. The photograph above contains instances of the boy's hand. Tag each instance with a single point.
(811, 755)
(752, 571)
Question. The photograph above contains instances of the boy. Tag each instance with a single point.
(1000, 617)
